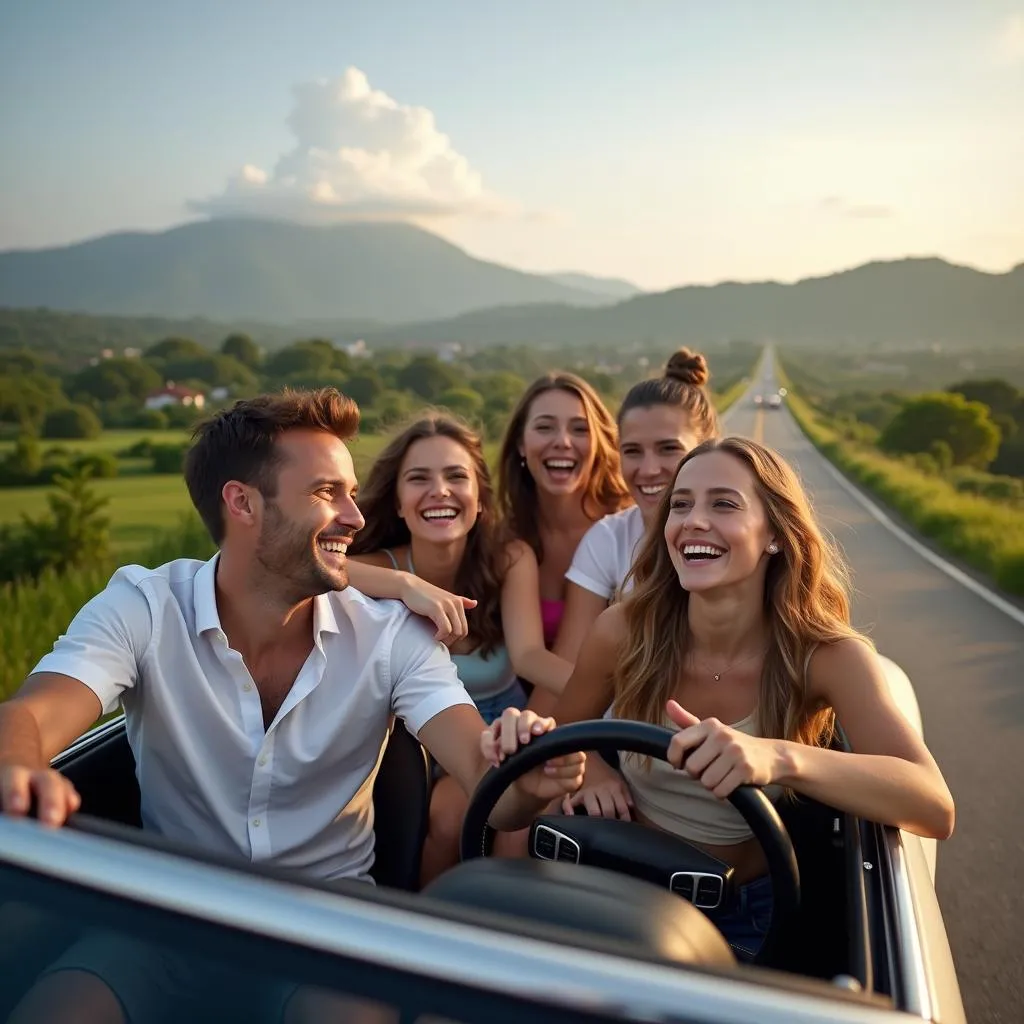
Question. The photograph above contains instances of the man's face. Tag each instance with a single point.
(308, 524)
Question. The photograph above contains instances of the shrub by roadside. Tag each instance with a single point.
(986, 534)
(33, 613)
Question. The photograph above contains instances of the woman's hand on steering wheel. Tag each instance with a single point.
(554, 779)
(604, 793)
(722, 758)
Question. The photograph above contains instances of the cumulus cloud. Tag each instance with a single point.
(359, 154)
(1009, 41)
(840, 207)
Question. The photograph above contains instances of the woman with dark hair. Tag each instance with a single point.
(430, 514)
(740, 614)
(659, 421)
(558, 474)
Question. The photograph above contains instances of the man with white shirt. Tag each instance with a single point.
(258, 689)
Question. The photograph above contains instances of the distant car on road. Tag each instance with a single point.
(774, 401)
(758, 399)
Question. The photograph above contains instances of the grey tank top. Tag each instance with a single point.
(483, 676)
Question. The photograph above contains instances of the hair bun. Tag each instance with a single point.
(688, 367)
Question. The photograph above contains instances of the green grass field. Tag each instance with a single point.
(111, 441)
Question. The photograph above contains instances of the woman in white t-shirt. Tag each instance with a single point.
(660, 420)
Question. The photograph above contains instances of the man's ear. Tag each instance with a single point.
(243, 504)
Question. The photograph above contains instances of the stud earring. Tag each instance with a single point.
(773, 548)
(522, 460)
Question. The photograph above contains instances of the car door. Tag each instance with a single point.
(410, 959)
(62, 890)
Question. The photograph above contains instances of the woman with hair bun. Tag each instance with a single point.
(659, 421)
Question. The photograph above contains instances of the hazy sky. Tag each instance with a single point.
(667, 142)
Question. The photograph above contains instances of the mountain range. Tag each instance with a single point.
(396, 284)
(277, 272)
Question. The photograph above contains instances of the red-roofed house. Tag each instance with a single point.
(175, 394)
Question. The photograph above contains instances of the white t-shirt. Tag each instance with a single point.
(605, 555)
(298, 794)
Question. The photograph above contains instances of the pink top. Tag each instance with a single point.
(551, 618)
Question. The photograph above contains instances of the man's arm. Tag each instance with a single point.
(453, 737)
(85, 674)
(47, 713)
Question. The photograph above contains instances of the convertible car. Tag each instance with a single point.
(607, 921)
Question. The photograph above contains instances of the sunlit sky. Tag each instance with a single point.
(666, 142)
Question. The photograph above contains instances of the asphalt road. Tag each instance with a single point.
(966, 661)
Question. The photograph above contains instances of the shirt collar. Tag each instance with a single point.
(204, 596)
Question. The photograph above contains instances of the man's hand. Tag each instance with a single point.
(554, 779)
(55, 797)
(447, 611)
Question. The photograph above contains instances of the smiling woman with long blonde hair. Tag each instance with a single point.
(740, 615)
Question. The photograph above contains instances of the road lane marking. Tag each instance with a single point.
(759, 426)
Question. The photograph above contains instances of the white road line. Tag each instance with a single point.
(1011, 610)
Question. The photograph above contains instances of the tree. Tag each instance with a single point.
(243, 348)
(364, 386)
(427, 377)
(1000, 396)
(965, 426)
(25, 398)
(73, 534)
(24, 464)
(303, 357)
(113, 379)
(463, 402)
(72, 421)
(175, 348)
(211, 369)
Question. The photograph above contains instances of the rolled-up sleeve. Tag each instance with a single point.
(592, 567)
(105, 643)
(423, 678)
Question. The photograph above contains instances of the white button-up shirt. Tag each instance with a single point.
(298, 794)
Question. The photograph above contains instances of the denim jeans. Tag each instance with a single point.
(745, 923)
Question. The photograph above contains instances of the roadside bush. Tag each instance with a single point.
(34, 612)
(72, 421)
(73, 533)
(168, 458)
(986, 534)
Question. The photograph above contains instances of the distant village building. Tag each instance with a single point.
(449, 351)
(175, 394)
(358, 349)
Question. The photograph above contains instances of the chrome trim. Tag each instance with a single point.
(560, 839)
(414, 941)
(906, 947)
(87, 739)
(697, 876)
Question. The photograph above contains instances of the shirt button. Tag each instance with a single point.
(256, 822)
(247, 687)
(262, 761)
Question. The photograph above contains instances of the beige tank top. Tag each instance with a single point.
(678, 803)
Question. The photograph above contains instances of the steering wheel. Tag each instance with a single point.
(651, 740)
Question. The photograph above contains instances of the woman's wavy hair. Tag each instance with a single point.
(605, 491)
(806, 601)
(484, 564)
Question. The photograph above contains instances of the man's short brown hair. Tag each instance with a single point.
(240, 443)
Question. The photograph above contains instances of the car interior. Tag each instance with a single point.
(825, 937)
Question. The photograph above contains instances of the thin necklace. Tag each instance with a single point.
(718, 675)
